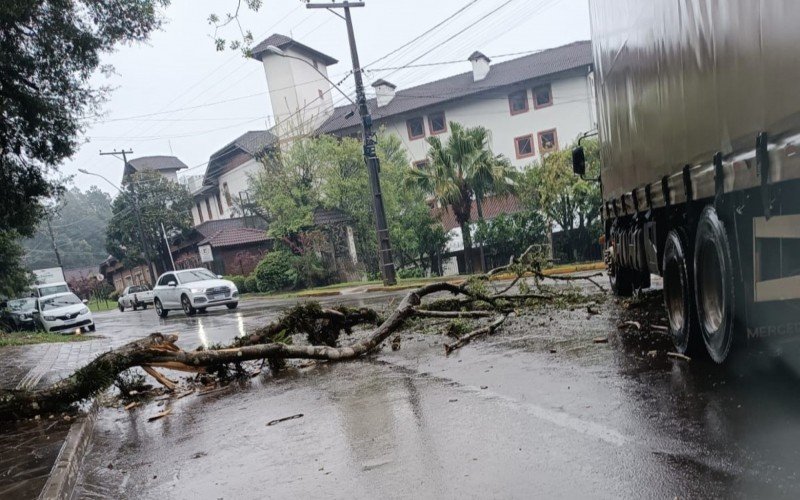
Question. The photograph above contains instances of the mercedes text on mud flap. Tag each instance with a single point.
(134, 297)
(699, 127)
(193, 290)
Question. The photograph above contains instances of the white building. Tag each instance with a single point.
(167, 166)
(226, 182)
(531, 104)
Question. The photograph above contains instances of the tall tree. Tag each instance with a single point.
(78, 221)
(460, 170)
(49, 50)
(160, 201)
(550, 186)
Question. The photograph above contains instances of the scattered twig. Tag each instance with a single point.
(678, 355)
(600, 340)
(465, 339)
(452, 314)
(634, 324)
(284, 419)
(131, 406)
(660, 328)
(169, 384)
(160, 415)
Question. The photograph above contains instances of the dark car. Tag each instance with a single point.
(18, 313)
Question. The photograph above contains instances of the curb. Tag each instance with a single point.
(65, 470)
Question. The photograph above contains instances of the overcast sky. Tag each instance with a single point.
(177, 95)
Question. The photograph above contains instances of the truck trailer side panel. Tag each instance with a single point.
(679, 80)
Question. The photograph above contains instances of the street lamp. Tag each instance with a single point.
(138, 219)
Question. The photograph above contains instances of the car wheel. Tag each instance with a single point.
(714, 285)
(201, 310)
(160, 309)
(187, 306)
(92, 327)
(135, 306)
(121, 308)
(144, 306)
(232, 306)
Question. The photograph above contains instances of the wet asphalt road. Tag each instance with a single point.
(502, 417)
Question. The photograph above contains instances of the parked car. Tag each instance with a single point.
(135, 296)
(18, 313)
(63, 311)
(193, 290)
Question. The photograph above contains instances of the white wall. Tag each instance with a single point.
(238, 180)
(570, 114)
(294, 85)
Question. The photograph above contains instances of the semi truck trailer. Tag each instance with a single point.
(699, 131)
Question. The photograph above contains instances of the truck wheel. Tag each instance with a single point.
(187, 306)
(160, 309)
(714, 285)
(121, 308)
(679, 294)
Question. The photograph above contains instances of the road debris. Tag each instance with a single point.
(131, 406)
(634, 324)
(160, 415)
(284, 419)
(678, 355)
(600, 340)
(660, 328)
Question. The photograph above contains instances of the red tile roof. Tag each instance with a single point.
(492, 207)
(234, 236)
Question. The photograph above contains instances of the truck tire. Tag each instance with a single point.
(679, 294)
(714, 285)
(121, 307)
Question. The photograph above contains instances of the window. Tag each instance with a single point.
(420, 164)
(542, 96)
(437, 123)
(548, 141)
(219, 203)
(164, 281)
(199, 212)
(524, 146)
(226, 193)
(208, 207)
(416, 128)
(196, 275)
(518, 102)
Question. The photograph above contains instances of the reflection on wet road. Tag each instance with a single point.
(538, 410)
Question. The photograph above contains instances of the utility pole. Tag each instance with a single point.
(370, 156)
(53, 240)
(135, 203)
(166, 241)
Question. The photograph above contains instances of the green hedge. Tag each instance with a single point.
(276, 272)
(240, 283)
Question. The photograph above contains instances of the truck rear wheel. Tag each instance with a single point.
(714, 285)
(679, 294)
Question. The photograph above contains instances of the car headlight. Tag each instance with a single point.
(198, 290)
(49, 318)
(85, 310)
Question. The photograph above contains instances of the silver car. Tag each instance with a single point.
(193, 290)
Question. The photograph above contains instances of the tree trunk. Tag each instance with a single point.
(479, 208)
(466, 238)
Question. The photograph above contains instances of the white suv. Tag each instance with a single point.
(63, 311)
(193, 290)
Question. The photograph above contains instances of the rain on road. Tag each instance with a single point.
(537, 409)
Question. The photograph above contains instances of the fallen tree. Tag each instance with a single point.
(273, 342)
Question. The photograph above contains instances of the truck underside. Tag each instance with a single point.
(725, 239)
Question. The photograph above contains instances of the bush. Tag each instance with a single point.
(239, 282)
(311, 271)
(413, 272)
(276, 272)
(251, 283)
(113, 296)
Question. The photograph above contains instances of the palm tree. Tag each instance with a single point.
(459, 170)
